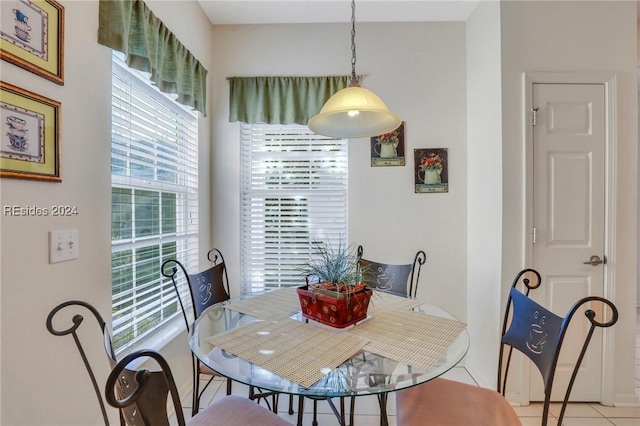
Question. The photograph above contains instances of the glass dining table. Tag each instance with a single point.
(370, 370)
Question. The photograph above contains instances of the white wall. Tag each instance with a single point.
(418, 69)
(484, 145)
(43, 380)
(576, 37)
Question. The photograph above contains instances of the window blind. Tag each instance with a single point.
(154, 201)
(294, 196)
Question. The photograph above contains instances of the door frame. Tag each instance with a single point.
(608, 80)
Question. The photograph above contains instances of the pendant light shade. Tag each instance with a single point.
(354, 112)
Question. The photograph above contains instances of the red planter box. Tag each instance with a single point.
(338, 313)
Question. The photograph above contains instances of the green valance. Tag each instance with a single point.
(280, 100)
(131, 28)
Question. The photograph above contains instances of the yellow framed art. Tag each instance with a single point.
(32, 36)
(30, 138)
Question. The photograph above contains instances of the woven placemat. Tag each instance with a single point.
(409, 337)
(272, 304)
(300, 352)
(382, 301)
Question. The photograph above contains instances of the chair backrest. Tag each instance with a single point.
(538, 333)
(106, 336)
(142, 395)
(203, 289)
(401, 280)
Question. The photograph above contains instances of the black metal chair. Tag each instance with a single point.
(199, 291)
(401, 280)
(77, 320)
(202, 290)
(532, 330)
(398, 279)
(143, 396)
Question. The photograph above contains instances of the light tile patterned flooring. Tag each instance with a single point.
(578, 414)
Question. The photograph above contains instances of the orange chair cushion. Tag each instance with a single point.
(443, 402)
(236, 411)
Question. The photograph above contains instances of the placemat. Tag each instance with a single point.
(382, 301)
(409, 337)
(273, 304)
(297, 351)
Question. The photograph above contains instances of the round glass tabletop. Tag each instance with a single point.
(364, 373)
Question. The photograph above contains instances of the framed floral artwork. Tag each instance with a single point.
(32, 36)
(29, 141)
(388, 149)
(431, 170)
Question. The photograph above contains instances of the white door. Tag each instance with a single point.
(569, 220)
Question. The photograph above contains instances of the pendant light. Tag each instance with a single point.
(354, 112)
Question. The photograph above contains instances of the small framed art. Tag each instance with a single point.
(32, 36)
(431, 170)
(29, 141)
(388, 149)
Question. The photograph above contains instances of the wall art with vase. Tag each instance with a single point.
(388, 149)
(431, 170)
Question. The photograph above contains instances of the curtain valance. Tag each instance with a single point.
(280, 100)
(131, 28)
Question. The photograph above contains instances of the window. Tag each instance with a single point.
(154, 189)
(294, 195)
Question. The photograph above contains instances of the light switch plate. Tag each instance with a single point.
(63, 245)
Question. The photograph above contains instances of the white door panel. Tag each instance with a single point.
(569, 219)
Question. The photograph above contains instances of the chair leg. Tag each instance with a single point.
(195, 405)
(300, 409)
(315, 413)
(352, 410)
(229, 386)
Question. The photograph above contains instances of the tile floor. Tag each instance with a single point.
(578, 414)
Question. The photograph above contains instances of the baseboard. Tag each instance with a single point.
(626, 400)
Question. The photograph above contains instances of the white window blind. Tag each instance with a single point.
(294, 195)
(154, 201)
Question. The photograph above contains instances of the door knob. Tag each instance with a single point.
(595, 261)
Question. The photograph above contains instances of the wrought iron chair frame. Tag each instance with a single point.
(548, 378)
(143, 397)
(139, 407)
(411, 288)
(77, 320)
(215, 257)
(529, 328)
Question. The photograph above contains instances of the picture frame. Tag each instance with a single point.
(30, 137)
(431, 170)
(388, 149)
(32, 37)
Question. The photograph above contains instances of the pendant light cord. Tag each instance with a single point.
(354, 79)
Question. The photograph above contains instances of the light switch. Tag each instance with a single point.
(63, 245)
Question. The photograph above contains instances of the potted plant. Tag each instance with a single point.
(334, 293)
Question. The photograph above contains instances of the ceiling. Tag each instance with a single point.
(328, 11)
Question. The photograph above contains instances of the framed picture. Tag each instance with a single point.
(32, 36)
(431, 170)
(388, 149)
(29, 141)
